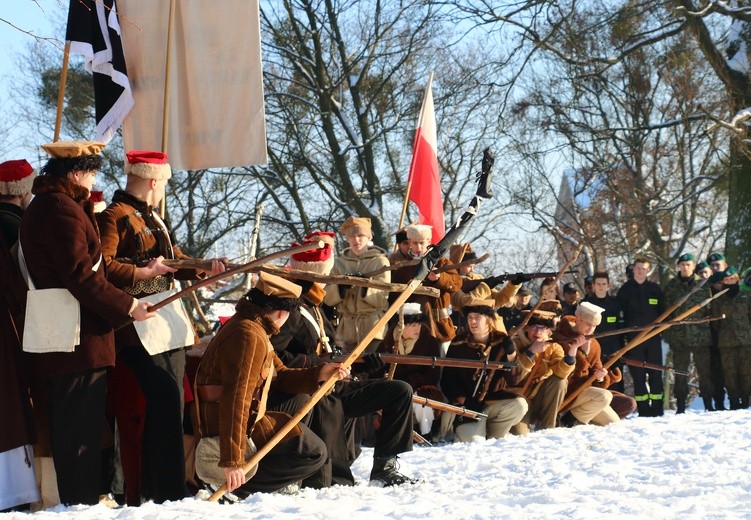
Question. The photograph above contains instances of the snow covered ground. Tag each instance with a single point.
(679, 466)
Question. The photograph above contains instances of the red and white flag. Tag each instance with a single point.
(425, 182)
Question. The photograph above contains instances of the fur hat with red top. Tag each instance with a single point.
(147, 164)
(16, 177)
(319, 260)
(97, 197)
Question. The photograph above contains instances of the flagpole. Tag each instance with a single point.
(409, 179)
(165, 103)
(61, 92)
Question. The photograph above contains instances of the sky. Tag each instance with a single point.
(690, 466)
(20, 22)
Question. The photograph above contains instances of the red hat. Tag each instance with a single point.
(16, 177)
(97, 197)
(327, 236)
(319, 260)
(147, 164)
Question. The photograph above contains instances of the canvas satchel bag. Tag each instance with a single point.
(171, 328)
(52, 322)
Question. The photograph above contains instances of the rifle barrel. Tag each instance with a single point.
(445, 362)
(445, 407)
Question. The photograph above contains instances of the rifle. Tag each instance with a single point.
(653, 366)
(428, 261)
(358, 281)
(520, 327)
(657, 327)
(492, 281)
(407, 263)
(445, 407)
(236, 270)
(637, 328)
(433, 361)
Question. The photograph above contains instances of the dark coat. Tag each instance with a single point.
(61, 245)
(437, 309)
(612, 319)
(461, 382)
(425, 345)
(15, 405)
(237, 362)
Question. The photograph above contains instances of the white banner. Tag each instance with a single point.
(216, 109)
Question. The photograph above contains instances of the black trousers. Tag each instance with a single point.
(360, 398)
(77, 418)
(651, 352)
(286, 463)
(328, 422)
(162, 455)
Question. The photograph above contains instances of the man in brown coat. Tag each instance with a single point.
(233, 384)
(135, 241)
(61, 245)
(436, 309)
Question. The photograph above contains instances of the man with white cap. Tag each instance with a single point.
(592, 405)
(135, 241)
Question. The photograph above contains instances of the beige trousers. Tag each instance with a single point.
(593, 405)
(502, 415)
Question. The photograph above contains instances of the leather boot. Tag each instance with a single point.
(655, 408)
(708, 404)
(680, 405)
(719, 402)
(385, 473)
(735, 403)
(744, 402)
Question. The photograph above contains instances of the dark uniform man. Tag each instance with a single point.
(643, 302)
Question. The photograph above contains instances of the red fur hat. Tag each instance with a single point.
(319, 260)
(147, 164)
(16, 177)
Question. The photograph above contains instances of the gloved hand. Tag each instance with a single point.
(343, 290)
(492, 281)
(508, 345)
(372, 363)
(520, 278)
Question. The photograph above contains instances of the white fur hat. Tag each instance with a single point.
(590, 313)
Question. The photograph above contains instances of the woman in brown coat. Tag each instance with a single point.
(61, 246)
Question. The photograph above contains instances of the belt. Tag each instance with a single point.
(209, 393)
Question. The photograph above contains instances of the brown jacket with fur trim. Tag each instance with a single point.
(61, 245)
(236, 365)
(586, 362)
(552, 361)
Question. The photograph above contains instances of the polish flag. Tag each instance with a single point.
(424, 181)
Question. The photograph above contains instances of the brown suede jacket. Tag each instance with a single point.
(236, 364)
(437, 309)
(586, 362)
(131, 236)
(61, 245)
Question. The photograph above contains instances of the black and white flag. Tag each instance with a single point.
(94, 31)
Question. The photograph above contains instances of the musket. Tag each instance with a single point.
(345, 280)
(637, 328)
(520, 327)
(445, 407)
(408, 263)
(427, 263)
(236, 270)
(492, 281)
(419, 439)
(652, 366)
(433, 361)
(199, 264)
(657, 327)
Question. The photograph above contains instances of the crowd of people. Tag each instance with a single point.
(108, 398)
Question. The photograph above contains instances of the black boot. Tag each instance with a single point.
(385, 473)
(643, 409)
(735, 403)
(655, 408)
(708, 404)
(744, 402)
(680, 405)
(719, 402)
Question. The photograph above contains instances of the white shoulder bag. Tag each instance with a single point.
(53, 316)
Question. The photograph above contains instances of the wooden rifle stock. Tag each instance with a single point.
(434, 361)
(445, 407)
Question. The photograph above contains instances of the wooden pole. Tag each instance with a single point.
(166, 95)
(61, 92)
(325, 387)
